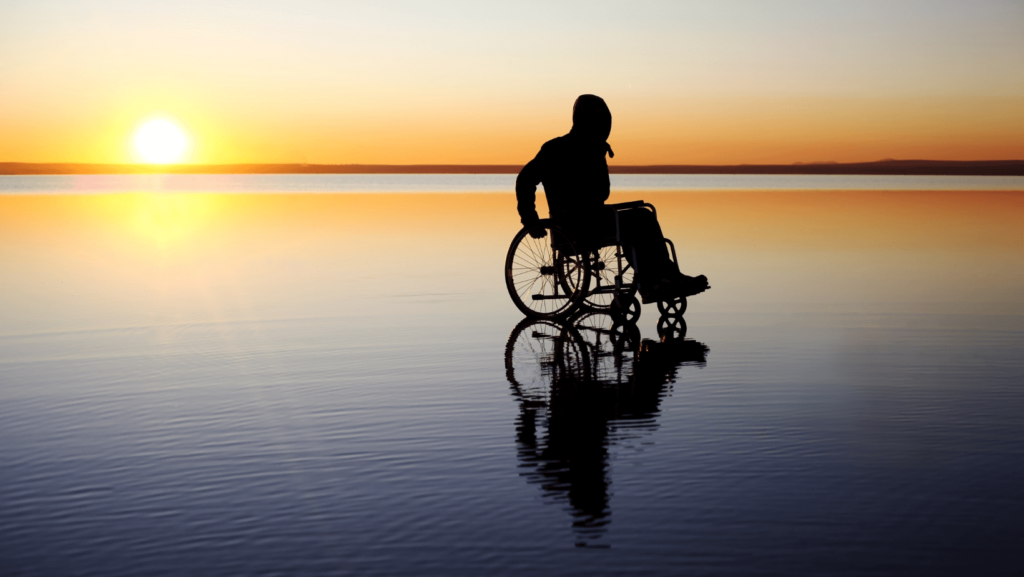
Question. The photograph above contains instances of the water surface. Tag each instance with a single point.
(476, 183)
(308, 384)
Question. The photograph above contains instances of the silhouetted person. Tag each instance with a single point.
(574, 172)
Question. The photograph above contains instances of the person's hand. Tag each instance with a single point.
(537, 231)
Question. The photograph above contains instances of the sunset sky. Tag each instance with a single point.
(468, 82)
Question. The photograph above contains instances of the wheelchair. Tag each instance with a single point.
(558, 276)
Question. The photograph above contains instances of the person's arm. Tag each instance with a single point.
(606, 189)
(526, 190)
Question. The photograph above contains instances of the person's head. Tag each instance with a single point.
(591, 117)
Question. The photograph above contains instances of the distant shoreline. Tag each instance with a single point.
(882, 167)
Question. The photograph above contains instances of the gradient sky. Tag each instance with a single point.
(467, 82)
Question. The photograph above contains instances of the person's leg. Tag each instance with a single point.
(639, 229)
(656, 274)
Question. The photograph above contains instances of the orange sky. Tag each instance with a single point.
(688, 82)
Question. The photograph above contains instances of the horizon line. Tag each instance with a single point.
(879, 167)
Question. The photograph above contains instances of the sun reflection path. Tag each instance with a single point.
(168, 218)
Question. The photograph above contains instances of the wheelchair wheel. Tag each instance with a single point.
(541, 355)
(672, 308)
(627, 312)
(671, 328)
(546, 277)
(611, 346)
(604, 265)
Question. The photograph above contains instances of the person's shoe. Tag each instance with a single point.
(692, 285)
(664, 289)
(680, 285)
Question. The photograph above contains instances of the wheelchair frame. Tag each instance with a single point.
(571, 264)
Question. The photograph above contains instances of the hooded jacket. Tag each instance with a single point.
(572, 168)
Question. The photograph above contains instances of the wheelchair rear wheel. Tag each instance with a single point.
(546, 277)
(541, 355)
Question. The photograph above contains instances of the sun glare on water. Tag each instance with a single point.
(160, 141)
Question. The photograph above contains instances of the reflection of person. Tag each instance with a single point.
(570, 410)
(574, 172)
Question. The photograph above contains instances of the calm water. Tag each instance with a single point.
(333, 183)
(324, 384)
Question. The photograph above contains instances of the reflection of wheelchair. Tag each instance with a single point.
(558, 275)
(582, 387)
(593, 349)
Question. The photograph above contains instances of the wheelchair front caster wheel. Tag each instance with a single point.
(674, 307)
(626, 310)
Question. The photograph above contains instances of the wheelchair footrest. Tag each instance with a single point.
(610, 289)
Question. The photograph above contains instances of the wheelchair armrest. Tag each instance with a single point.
(626, 205)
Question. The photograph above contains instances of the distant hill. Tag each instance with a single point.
(891, 167)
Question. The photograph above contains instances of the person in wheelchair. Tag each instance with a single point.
(574, 173)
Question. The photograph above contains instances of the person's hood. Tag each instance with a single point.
(592, 120)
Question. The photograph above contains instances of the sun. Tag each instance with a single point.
(160, 141)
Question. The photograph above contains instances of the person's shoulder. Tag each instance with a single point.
(556, 144)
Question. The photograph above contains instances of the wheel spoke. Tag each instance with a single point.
(564, 286)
